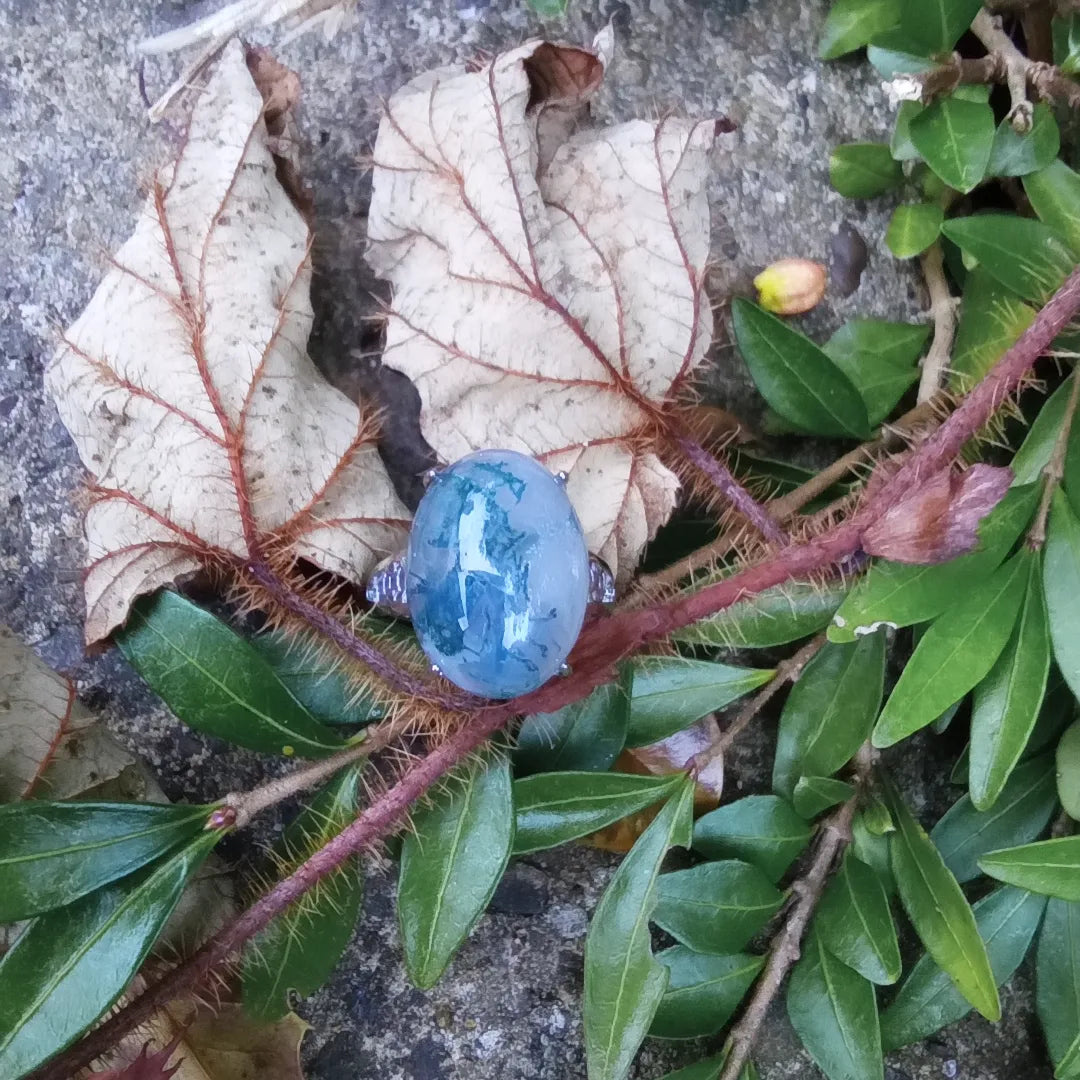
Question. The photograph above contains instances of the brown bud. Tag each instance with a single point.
(791, 286)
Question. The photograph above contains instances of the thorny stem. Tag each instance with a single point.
(603, 644)
(943, 312)
(1055, 468)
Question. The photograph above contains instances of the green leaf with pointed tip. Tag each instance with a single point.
(863, 170)
(52, 853)
(1024, 255)
(991, 320)
(670, 693)
(928, 27)
(834, 1012)
(760, 829)
(624, 983)
(1017, 155)
(851, 24)
(300, 948)
(1049, 867)
(1054, 193)
(913, 228)
(1026, 805)
(1007, 702)
(216, 681)
(954, 137)
(938, 910)
(555, 808)
(901, 146)
(715, 907)
(830, 711)
(872, 847)
(955, 653)
(1057, 985)
(815, 794)
(71, 965)
(1067, 760)
(1061, 578)
(796, 377)
(927, 1001)
(856, 925)
(451, 862)
(702, 993)
(1034, 453)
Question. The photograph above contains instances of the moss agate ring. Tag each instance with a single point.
(496, 577)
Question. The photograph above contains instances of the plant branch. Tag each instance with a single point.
(943, 312)
(1055, 468)
(987, 28)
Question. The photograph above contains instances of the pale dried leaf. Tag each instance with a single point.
(188, 390)
(548, 286)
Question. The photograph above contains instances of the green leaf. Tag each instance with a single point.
(69, 966)
(1066, 31)
(1006, 703)
(900, 594)
(1017, 155)
(796, 377)
(834, 1012)
(1024, 255)
(901, 146)
(771, 617)
(670, 693)
(991, 320)
(954, 137)
(216, 682)
(1061, 577)
(1068, 771)
(830, 711)
(862, 170)
(955, 653)
(586, 736)
(1049, 867)
(871, 846)
(549, 9)
(703, 992)
(851, 24)
(1054, 193)
(555, 808)
(451, 862)
(927, 1001)
(301, 947)
(1026, 805)
(856, 925)
(934, 26)
(53, 853)
(715, 907)
(1038, 445)
(815, 794)
(938, 910)
(1057, 985)
(889, 62)
(624, 983)
(913, 228)
(760, 829)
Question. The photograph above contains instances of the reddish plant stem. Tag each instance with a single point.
(602, 645)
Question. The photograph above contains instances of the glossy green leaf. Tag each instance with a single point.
(670, 693)
(901, 594)
(927, 1000)
(702, 993)
(69, 966)
(954, 137)
(889, 62)
(1017, 155)
(1067, 760)
(1054, 193)
(991, 320)
(1024, 255)
(555, 808)
(834, 1012)
(1057, 986)
(771, 617)
(624, 983)
(1026, 805)
(715, 907)
(759, 829)
(216, 681)
(1007, 702)
(299, 949)
(1049, 867)
(1061, 577)
(913, 228)
(955, 653)
(871, 846)
(451, 862)
(901, 146)
(928, 27)
(796, 377)
(815, 794)
(938, 909)
(1034, 453)
(862, 170)
(856, 925)
(586, 736)
(830, 711)
(53, 853)
(851, 24)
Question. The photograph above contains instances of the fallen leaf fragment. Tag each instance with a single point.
(548, 283)
(187, 387)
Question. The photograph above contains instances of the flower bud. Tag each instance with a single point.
(791, 286)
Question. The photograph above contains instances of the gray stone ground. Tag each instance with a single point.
(75, 155)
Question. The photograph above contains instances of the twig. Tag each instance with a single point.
(987, 28)
(943, 312)
(1054, 470)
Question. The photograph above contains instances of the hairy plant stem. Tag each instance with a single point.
(1054, 471)
(943, 312)
(601, 646)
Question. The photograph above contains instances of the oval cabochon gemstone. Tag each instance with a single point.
(498, 574)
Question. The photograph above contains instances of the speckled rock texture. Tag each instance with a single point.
(76, 153)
